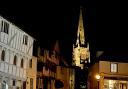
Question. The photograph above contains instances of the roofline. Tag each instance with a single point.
(15, 26)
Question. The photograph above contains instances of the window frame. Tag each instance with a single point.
(25, 39)
(113, 67)
(4, 27)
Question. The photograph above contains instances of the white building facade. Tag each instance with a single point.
(16, 48)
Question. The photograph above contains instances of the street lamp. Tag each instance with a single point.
(97, 78)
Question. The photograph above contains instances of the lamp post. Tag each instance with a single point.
(97, 78)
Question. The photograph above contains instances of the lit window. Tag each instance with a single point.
(3, 55)
(4, 27)
(25, 39)
(113, 67)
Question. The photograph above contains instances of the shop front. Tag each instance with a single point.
(115, 83)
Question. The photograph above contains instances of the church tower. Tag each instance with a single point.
(81, 54)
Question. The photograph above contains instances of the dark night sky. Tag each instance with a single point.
(105, 22)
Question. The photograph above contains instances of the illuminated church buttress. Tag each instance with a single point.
(81, 54)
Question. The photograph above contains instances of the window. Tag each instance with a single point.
(22, 63)
(30, 63)
(15, 59)
(81, 61)
(4, 85)
(113, 67)
(13, 83)
(1, 26)
(31, 83)
(4, 27)
(25, 39)
(3, 55)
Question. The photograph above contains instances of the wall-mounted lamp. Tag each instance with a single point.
(97, 77)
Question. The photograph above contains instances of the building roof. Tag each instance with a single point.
(118, 56)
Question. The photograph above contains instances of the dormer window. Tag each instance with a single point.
(25, 39)
(4, 27)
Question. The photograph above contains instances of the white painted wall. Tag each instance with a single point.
(13, 45)
(14, 39)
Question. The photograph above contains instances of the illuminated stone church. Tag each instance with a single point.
(81, 53)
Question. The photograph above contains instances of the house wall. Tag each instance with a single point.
(103, 68)
(92, 82)
(12, 42)
(106, 69)
(64, 76)
(31, 73)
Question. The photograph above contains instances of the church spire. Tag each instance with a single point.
(81, 54)
(80, 32)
